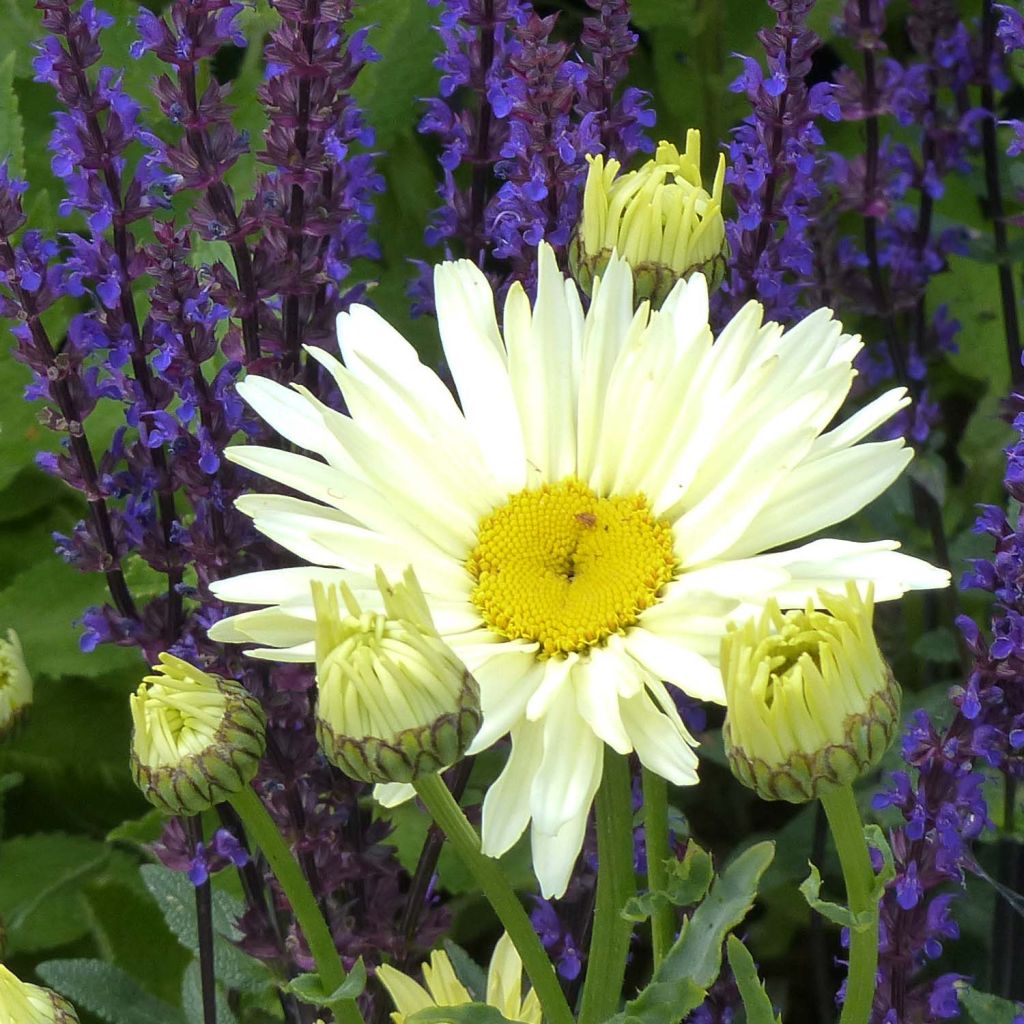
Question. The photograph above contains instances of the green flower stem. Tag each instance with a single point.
(848, 832)
(261, 829)
(616, 883)
(656, 839)
(487, 874)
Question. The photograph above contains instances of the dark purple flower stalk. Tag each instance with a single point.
(774, 171)
(894, 187)
(314, 205)
(467, 119)
(940, 794)
(621, 121)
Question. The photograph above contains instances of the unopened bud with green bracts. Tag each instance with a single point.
(21, 1003)
(811, 703)
(15, 684)
(660, 219)
(196, 738)
(394, 702)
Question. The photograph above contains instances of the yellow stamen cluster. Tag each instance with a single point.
(566, 568)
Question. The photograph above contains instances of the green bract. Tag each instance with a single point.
(394, 701)
(811, 702)
(196, 738)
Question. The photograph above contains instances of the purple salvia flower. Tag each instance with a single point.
(774, 172)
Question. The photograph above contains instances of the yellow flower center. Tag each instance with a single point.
(565, 568)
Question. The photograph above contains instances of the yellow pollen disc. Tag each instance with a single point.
(565, 568)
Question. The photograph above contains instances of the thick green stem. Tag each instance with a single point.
(261, 830)
(656, 843)
(616, 883)
(848, 832)
(460, 833)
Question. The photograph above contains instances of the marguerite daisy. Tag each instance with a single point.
(611, 489)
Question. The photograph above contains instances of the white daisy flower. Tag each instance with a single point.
(611, 488)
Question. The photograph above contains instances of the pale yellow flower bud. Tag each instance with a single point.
(660, 219)
(15, 684)
(394, 701)
(811, 702)
(196, 738)
(21, 1003)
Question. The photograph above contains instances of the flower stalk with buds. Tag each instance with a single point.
(812, 705)
(660, 219)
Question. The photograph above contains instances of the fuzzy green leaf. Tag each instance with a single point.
(467, 1013)
(192, 998)
(985, 1008)
(12, 141)
(107, 991)
(756, 1003)
(688, 881)
(308, 988)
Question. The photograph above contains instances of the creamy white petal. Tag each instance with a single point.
(392, 794)
(476, 357)
(661, 746)
(824, 492)
(554, 856)
(829, 564)
(565, 783)
(278, 585)
(861, 423)
(556, 676)
(291, 416)
(507, 681)
(506, 810)
(260, 505)
(273, 626)
(668, 660)
(596, 682)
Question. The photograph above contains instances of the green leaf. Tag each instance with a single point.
(756, 1003)
(139, 832)
(12, 144)
(467, 1013)
(985, 1008)
(688, 882)
(107, 991)
(693, 962)
(41, 882)
(467, 970)
(20, 431)
(21, 27)
(308, 988)
(175, 895)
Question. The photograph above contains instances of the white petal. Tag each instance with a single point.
(507, 681)
(676, 664)
(660, 744)
(564, 784)
(861, 423)
(555, 855)
(273, 626)
(476, 357)
(556, 674)
(596, 681)
(824, 492)
(506, 810)
(392, 794)
(276, 586)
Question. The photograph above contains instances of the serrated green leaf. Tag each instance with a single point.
(308, 988)
(985, 1008)
(21, 26)
(688, 881)
(107, 991)
(467, 1013)
(756, 1003)
(467, 970)
(693, 962)
(139, 832)
(810, 889)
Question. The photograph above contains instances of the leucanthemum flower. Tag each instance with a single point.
(610, 490)
(443, 988)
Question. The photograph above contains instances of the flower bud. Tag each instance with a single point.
(394, 702)
(15, 684)
(196, 738)
(811, 704)
(21, 1003)
(660, 219)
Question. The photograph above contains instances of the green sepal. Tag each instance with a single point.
(687, 882)
(308, 988)
(692, 964)
(466, 1013)
(756, 1003)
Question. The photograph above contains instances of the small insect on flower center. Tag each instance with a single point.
(566, 568)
